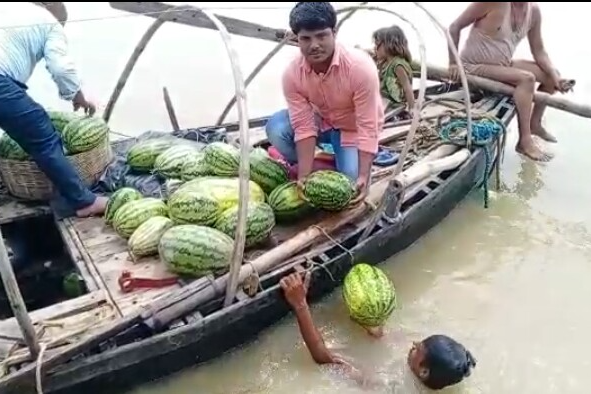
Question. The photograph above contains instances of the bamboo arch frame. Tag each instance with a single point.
(240, 94)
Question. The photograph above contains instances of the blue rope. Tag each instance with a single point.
(484, 131)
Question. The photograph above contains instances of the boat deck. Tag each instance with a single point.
(100, 257)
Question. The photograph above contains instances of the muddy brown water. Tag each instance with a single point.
(510, 282)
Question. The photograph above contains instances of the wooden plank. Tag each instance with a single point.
(192, 16)
(12, 211)
(9, 327)
(76, 256)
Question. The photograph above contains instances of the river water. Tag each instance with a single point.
(510, 282)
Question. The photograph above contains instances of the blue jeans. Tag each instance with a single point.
(26, 122)
(281, 136)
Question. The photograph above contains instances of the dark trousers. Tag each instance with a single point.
(26, 122)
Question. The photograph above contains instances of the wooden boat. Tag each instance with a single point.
(123, 339)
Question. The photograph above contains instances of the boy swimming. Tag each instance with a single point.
(437, 361)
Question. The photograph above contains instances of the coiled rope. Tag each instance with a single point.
(484, 131)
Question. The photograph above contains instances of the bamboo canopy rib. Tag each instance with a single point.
(244, 169)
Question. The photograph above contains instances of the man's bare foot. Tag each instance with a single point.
(96, 208)
(532, 151)
(543, 134)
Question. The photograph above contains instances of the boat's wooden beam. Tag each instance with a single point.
(192, 16)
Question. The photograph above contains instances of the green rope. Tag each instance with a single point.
(484, 131)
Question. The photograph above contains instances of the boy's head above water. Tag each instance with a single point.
(440, 361)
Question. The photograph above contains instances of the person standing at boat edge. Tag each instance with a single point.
(333, 97)
(32, 33)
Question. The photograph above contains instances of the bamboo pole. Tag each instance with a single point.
(174, 121)
(266, 60)
(563, 104)
(17, 304)
(135, 55)
(244, 169)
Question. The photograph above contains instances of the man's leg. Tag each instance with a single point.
(346, 157)
(29, 125)
(281, 135)
(524, 82)
(547, 86)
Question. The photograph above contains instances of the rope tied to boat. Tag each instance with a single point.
(485, 130)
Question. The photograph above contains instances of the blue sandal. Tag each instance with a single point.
(385, 157)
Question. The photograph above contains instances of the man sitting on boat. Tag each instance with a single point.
(333, 97)
(37, 35)
(497, 30)
(437, 361)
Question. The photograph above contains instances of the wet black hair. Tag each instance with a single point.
(308, 15)
(447, 360)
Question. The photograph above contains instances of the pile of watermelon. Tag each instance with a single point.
(78, 133)
(192, 226)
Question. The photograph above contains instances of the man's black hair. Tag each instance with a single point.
(307, 15)
(447, 360)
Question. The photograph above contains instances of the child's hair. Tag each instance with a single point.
(447, 360)
(394, 41)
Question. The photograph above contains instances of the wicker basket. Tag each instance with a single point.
(23, 179)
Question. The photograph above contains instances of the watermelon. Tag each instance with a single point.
(170, 162)
(10, 149)
(60, 119)
(144, 240)
(189, 206)
(221, 159)
(134, 213)
(369, 295)
(287, 203)
(195, 251)
(267, 172)
(84, 134)
(141, 156)
(329, 190)
(224, 190)
(171, 186)
(194, 167)
(118, 199)
(260, 221)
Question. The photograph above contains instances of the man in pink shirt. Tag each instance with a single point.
(333, 97)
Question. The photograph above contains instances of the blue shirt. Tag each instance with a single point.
(29, 33)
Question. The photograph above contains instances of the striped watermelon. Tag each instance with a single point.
(10, 149)
(171, 186)
(141, 156)
(329, 190)
(194, 167)
(134, 213)
(60, 119)
(145, 239)
(369, 295)
(189, 206)
(170, 162)
(287, 203)
(195, 251)
(118, 199)
(260, 221)
(84, 134)
(224, 190)
(222, 159)
(267, 172)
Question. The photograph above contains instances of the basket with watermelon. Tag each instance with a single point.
(86, 144)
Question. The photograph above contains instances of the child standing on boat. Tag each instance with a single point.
(437, 361)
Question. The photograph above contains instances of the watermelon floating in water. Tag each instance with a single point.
(369, 295)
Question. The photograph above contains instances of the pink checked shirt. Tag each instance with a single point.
(347, 97)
